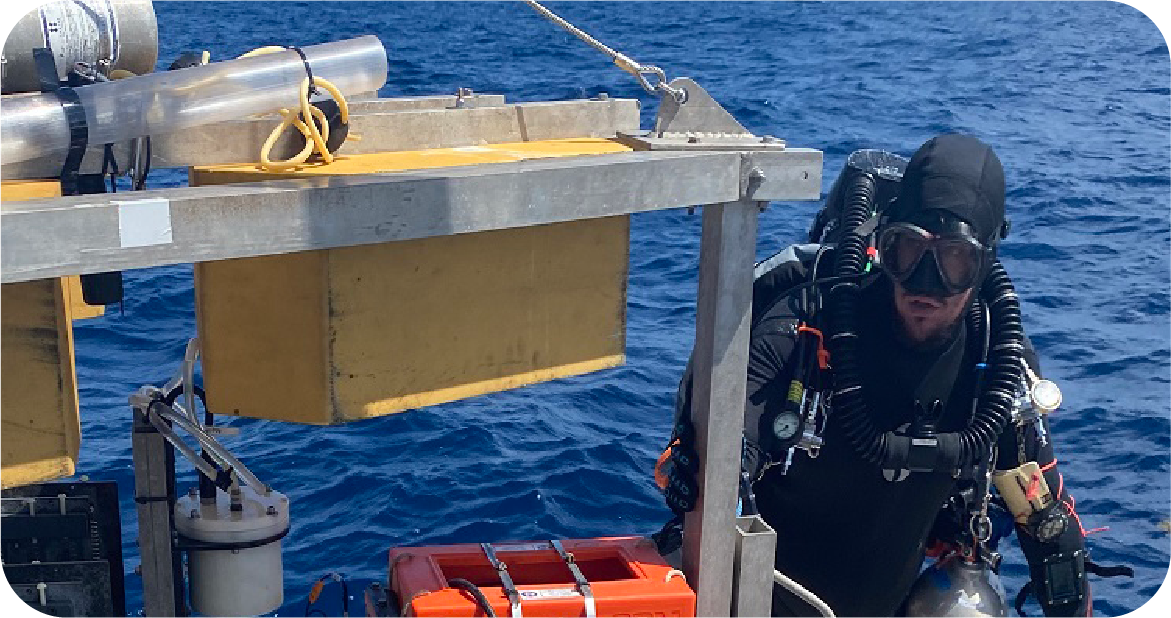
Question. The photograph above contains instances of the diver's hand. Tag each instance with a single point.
(676, 476)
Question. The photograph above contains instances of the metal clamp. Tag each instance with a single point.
(583, 586)
(661, 86)
(505, 579)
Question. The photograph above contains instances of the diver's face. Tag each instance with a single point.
(928, 319)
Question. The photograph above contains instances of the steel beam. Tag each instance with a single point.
(723, 310)
(792, 174)
(100, 233)
(152, 469)
(384, 124)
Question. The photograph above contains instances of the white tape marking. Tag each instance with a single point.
(144, 223)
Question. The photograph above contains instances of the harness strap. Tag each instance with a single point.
(583, 586)
(1021, 596)
(505, 579)
(1109, 571)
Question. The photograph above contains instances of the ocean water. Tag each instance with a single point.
(1073, 96)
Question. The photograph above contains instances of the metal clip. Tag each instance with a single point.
(583, 586)
(505, 579)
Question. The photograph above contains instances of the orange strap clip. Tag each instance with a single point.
(822, 353)
(316, 591)
(661, 479)
(938, 549)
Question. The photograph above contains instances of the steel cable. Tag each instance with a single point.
(624, 62)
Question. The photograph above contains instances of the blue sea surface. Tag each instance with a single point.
(1073, 96)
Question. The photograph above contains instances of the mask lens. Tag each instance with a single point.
(959, 262)
(901, 250)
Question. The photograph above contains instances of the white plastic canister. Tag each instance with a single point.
(239, 581)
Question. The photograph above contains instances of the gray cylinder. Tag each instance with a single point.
(955, 587)
(106, 34)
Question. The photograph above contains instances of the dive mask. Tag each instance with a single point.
(957, 258)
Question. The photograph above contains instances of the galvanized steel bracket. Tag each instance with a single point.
(699, 123)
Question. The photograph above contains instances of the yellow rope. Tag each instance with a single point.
(315, 139)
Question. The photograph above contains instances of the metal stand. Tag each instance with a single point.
(723, 312)
(732, 171)
(154, 496)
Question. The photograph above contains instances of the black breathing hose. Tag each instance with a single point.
(848, 402)
(890, 451)
(477, 594)
(858, 206)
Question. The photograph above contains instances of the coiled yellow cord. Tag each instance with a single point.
(315, 139)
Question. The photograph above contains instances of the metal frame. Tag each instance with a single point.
(752, 584)
(161, 565)
(723, 312)
(88, 234)
(384, 124)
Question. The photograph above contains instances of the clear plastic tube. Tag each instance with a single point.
(189, 359)
(179, 417)
(172, 101)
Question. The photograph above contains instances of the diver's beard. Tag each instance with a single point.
(933, 339)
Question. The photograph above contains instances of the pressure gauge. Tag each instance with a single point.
(1051, 525)
(786, 427)
(1045, 395)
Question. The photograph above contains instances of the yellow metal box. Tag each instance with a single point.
(344, 334)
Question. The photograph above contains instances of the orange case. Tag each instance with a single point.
(626, 575)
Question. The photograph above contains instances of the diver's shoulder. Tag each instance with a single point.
(782, 272)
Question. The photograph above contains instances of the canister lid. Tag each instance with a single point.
(260, 517)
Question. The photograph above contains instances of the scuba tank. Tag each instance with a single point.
(107, 35)
(956, 587)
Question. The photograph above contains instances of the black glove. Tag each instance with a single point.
(682, 490)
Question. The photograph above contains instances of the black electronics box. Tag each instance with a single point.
(61, 545)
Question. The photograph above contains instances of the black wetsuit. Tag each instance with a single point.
(844, 531)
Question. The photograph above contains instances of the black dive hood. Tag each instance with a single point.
(869, 185)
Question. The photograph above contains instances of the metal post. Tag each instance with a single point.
(723, 311)
(752, 577)
(153, 472)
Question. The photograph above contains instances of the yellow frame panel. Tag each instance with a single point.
(344, 334)
(41, 427)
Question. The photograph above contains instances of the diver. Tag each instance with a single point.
(887, 363)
